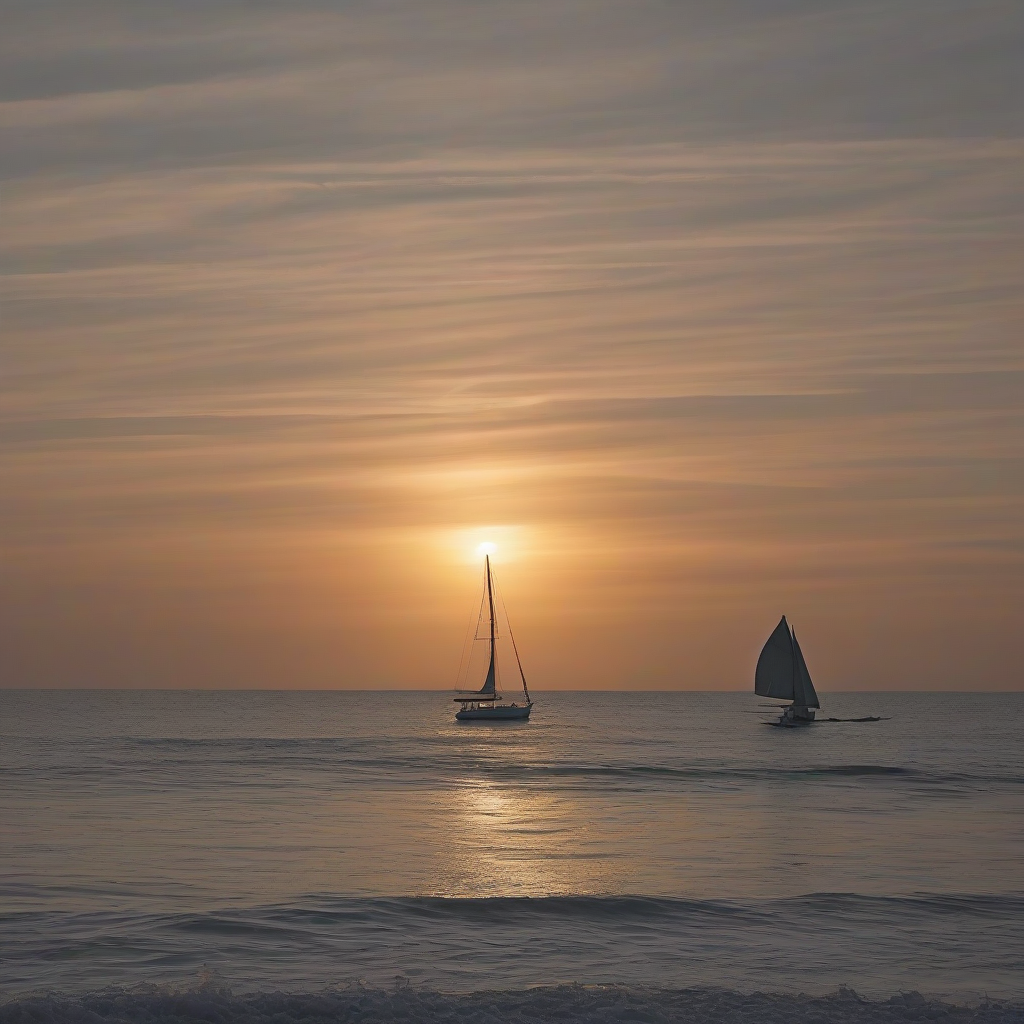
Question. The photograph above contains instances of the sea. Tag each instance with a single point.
(302, 843)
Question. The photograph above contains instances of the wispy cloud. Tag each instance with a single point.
(719, 306)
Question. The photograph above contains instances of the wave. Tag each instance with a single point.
(216, 761)
(798, 944)
(323, 909)
(620, 908)
(605, 1004)
(625, 910)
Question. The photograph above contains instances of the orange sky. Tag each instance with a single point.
(704, 314)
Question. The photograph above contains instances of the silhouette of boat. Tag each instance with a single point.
(782, 673)
(487, 703)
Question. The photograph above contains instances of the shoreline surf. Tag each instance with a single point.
(405, 1002)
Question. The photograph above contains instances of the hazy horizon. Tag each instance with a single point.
(765, 702)
(702, 313)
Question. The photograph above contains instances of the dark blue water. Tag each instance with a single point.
(297, 840)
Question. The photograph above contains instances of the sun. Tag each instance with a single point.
(470, 545)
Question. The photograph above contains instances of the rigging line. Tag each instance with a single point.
(520, 664)
(467, 644)
(511, 636)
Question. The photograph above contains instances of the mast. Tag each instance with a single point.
(490, 599)
(792, 647)
(490, 608)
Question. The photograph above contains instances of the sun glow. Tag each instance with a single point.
(467, 546)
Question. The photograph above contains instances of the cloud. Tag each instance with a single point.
(186, 85)
(706, 299)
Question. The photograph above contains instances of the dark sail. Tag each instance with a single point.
(488, 688)
(776, 667)
(803, 689)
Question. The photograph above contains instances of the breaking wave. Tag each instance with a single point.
(796, 944)
(565, 1004)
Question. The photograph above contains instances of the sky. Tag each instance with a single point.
(703, 312)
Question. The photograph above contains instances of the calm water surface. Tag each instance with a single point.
(304, 839)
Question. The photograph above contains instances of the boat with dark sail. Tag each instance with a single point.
(782, 673)
(488, 703)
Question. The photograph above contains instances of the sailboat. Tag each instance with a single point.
(487, 703)
(782, 673)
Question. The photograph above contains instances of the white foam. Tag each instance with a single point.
(565, 1004)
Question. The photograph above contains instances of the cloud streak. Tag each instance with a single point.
(716, 308)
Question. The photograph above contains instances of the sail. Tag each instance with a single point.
(803, 689)
(488, 687)
(775, 668)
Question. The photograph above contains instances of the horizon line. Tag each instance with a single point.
(339, 689)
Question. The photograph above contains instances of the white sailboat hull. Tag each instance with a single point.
(497, 712)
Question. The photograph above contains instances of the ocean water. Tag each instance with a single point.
(299, 841)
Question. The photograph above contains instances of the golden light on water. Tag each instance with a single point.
(513, 841)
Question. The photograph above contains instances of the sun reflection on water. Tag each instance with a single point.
(513, 840)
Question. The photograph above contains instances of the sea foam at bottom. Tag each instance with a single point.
(565, 1003)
